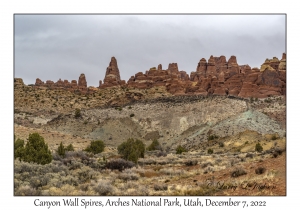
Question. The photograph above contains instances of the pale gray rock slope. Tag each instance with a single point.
(170, 123)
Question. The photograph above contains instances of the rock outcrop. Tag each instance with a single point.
(18, 82)
(73, 86)
(112, 75)
(218, 77)
(82, 81)
(213, 77)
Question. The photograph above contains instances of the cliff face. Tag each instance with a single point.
(217, 76)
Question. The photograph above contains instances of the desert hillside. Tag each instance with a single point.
(219, 134)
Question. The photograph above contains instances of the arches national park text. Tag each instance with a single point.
(170, 202)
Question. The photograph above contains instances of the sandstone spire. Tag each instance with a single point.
(112, 72)
(82, 81)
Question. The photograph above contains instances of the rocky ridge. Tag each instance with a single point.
(217, 76)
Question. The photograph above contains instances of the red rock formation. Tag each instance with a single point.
(173, 68)
(221, 64)
(282, 64)
(274, 63)
(215, 77)
(112, 75)
(38, 82)
(245, 69)
(233, 67)
(74, 83)
(59, 83)
(66, 85)
(159, 67)
(211, 67)
(82, 81)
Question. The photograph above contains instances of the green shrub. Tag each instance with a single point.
(36, 150)
(61, 150)
(131, 115)
(180, 149)
(70, 147)
(221, 144)
(95, 147)
(155, 145)
(258, 147)
(132, 149)
(77, 113)
(210, 151)
(274, 137)
(18, 148)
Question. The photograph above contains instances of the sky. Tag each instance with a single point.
(52, 47)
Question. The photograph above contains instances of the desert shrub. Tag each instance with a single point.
(171, 172)
(18, 148)
(191, 162)
(85, 174)
(161, 187)
(84, 187)
(95, 147)
(131, 115)
(221, 144)
(249, 155)
(204, 165)
(132, 149)
(127, 174)
(180, 149)
(238, 172)
(77, 154)
(155, 145)
(277, 152)
(103, 188)
(260, 170)
(212, 137)
(161, 154)
(119, 164)
(36, 150)
(61, 151)
(274, 137)
(210, 151)
(77, 113)
(70, 147)
(258, 147)
(27, 190)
